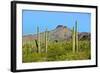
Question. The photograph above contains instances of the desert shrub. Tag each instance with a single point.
(67, 45)
(56, 51)
(34, 57)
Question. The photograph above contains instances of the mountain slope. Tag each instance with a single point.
(59, 33)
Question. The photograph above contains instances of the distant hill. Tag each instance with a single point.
(59, 33)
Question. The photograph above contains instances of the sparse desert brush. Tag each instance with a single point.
(57, 51)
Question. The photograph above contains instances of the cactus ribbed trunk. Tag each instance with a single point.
(38, 38)
(73, 39)
(76, 36)
(46, 42)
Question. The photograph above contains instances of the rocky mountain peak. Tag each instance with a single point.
(61, 26)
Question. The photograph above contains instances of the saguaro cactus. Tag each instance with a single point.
(73, 39)
(38, 37)
(76, 35)
(46, 40)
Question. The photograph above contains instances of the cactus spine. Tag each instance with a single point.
(38, 37)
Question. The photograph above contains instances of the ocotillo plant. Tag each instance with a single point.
(73, 39)
(76, 35)
(46, 40)
(38, 37)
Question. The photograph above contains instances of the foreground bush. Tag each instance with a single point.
(57, 51)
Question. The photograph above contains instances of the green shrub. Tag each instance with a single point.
(56, 51)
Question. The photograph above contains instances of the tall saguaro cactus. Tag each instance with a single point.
(46, 40)
(73, 39)
(76, 35)
(38, 37)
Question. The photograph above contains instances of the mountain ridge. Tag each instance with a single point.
(59, 33)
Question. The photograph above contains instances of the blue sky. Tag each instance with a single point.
(50, 19)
